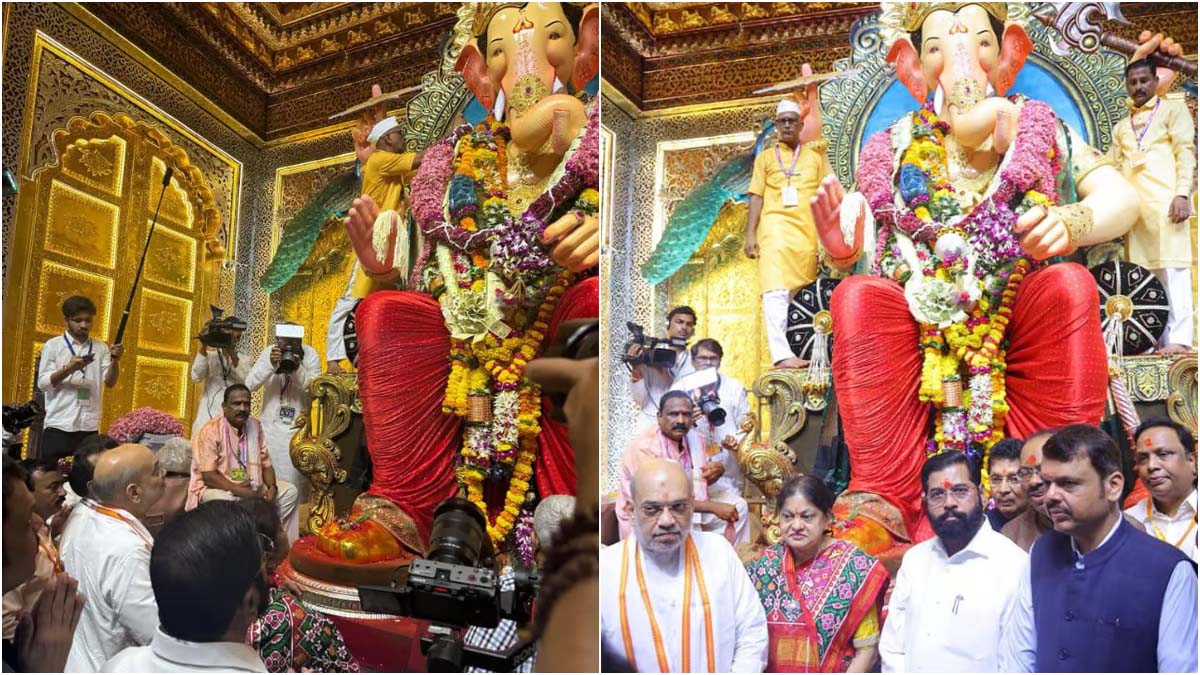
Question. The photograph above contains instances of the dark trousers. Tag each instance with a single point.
(56, 443)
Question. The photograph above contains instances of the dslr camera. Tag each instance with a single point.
(291, 350)
(216, 333)
(656, 352)
(457, 585)
(707, 384)
(710, 405)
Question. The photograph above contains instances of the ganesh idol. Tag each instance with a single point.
(509, 213)
(966, 330)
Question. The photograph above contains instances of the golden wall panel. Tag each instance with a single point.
(176, 207)
(80, 226)
(161, 384)
(98, 163)
(57, 283)
(172, 259)
(164, 322)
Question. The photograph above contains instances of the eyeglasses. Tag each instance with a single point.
(1027, 472)
(959, 492)
(654, 510)
(707, 359)
(1011, 480)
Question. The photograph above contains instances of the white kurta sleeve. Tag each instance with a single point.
(891, 641)
(47, 367)
(199, 367)
(261, 371)
(1177, 622)
(751, 643)
(1018, 641)
(136, 608)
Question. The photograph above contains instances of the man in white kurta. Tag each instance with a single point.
(672, 567)
(106, 547)
(961, 583)
(721, 441)
(284, 397)
(647, 384)
(1164, 456)
(216, 369)
(1155, 148)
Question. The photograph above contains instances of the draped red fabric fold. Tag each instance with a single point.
(402, 374)
(555, 468)
(1057, 373)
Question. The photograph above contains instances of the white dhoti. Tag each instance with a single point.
(709, 522)
(1181, 322)
(775, 311)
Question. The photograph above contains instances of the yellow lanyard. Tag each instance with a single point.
(1159, 533)
(691, 565)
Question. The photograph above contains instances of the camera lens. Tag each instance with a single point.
(459, 533)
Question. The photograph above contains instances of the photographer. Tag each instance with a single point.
(648, 383)
(284, 368)
(728, 396)
(217, 367)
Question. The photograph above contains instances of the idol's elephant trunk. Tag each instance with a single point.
(557, 118)
(972, 115)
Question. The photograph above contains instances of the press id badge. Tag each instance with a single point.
(238, 473)
(287, 414)
(791, 197)
(83, 395)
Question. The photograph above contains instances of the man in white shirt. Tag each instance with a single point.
(107, 548)
(70, 371)
(721, 440)
(207, 573)
(1164, 456)
(648, 580)
(647, 383)
(217, 368)
(285, 395)
(962, 582)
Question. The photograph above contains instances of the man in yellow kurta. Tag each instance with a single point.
(1155, 148)
(779, 228)
(386, 173)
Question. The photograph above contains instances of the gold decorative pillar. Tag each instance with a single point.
(314, 448)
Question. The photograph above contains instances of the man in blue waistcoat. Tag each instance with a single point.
(1098, 595)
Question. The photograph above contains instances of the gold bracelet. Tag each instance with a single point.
(1079, 219)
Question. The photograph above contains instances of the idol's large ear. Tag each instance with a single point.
(908, 68)
(474, 70)
(587, 47)
(1014, 49)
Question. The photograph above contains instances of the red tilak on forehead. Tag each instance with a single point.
(1031, 460)
(946, 484)
(1147, 442)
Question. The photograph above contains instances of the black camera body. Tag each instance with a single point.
(216, 331)
(656, 352)
(291, 352)
(19, 417)
(710, 404)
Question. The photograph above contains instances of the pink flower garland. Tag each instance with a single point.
(129, 428)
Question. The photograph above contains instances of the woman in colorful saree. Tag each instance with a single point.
(821, 595)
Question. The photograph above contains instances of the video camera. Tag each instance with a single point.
(292, 349)
(19, 417)
(216, 333)
(656, 352)
(457, 585)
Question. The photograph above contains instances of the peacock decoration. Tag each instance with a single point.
(301, 232)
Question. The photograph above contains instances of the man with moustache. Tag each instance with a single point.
(676, 600)
(676, 440)
(1097, 595)
(1004, 466)
(1164, 456)
(962, 582)
(45, 482)
(230, 461)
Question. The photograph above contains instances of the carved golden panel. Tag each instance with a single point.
(172, 259)
(176, 207)
(161, 384)
(99, 163)
(81, 226)
(57, 283)
(164, 322)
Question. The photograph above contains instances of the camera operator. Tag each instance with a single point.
(724, 476)
(648, 383)
(283, 370)
(218, 367)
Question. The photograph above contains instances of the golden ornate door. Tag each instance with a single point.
(81, 226)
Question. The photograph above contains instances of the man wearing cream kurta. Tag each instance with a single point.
(779, 227)
(675, 600)
(1155, 148)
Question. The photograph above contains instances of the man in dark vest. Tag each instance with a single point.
(1098, 595)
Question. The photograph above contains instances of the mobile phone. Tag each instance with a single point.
(88, 358)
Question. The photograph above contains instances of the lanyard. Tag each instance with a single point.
(684, 450)
(691, 566)
(71, 348)
(1162, 535)
(242, 445)
(117, 515)
(51, 554)
(779, 160)
(1149, 121)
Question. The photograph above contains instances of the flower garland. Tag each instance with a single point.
(499, 288)
(130, 427)
(971, 264)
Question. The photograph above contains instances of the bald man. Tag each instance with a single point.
(106, 547)
(649, 577)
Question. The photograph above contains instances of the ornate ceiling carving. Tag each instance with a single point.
(284, 68)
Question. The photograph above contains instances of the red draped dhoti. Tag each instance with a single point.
(402, 374)
(1057, 375)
